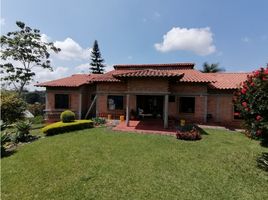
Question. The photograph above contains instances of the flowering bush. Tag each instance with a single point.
(251, 100)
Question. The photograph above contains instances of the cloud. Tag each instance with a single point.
(71, 50)
(45, 38)
(83, 68)
(2, 21)
(197, 40)
(245, 39)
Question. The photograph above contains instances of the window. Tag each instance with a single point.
(115, 102)
(171, 98)
(61, 101)
(187, 104)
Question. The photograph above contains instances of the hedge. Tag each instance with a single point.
(61, 127)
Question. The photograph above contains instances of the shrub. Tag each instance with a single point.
(98, 121)
(36, 108)
(22, 131)
(188, 132)
(61, 127)
(251, 99)
(5, 137)
(37, 120)
(12, 107)
(67, 116)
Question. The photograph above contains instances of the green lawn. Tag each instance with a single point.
(101, 164)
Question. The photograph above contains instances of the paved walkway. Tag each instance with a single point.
(146, 126)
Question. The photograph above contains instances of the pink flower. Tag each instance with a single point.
(244, 91)
(244, 104)
(264, 78)
(247, 109)
(258, 118)
(252, 84)
(258, 132)
(256, 73)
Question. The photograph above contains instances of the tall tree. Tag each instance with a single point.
(97, 66)
(211, 68)
(23, 50)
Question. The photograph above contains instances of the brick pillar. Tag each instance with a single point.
(166, 111)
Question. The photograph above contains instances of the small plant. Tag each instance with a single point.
(67, 116)
(188, 132)
(98, 121)
(37, 120)
(5, 137)
(22, 131)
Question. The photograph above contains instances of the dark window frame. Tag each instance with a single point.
(185, 104)
(59, 101)
(118, 102)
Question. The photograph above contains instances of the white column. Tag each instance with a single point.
(127, 111)
(205, 108)
(166, 111)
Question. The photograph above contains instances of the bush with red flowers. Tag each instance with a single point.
(251, 99)
(188, 132)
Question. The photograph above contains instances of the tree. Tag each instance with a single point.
(251, 99)
(96, 60)
(12, 107)
(24, 50)
(211, 68)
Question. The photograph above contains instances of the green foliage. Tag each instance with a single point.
(98, 121)
(34, 97)
(67, 116)
(37, 119)
(211, 68)
(252, 102)
(5, 137)
(12, 107)
(28, 50)
(22, 131)
(36, 108)
(96, 60)
(61, 127)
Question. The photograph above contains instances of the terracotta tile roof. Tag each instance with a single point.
(156, 66)
(227, 80)
(75, 80)
(148, 73)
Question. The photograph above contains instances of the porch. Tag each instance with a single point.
(155, 126)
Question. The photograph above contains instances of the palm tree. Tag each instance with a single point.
(211, 68)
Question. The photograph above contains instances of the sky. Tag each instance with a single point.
(231, 33)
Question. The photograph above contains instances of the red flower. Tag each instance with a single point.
(244, 91)
(258, 132)
(258, 118)
(244, 104)
(247, 109)
(252, 84)
(264, 78)
(266, 71)
(256, 73)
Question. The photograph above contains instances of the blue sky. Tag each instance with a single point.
(233, 33)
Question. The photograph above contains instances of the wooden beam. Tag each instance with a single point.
(91, 106)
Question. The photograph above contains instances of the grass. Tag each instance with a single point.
(101, 164)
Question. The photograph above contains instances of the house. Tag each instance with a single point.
(165, 91)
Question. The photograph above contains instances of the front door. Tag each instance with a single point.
(152, 105)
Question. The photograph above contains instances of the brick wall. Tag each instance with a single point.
(147, 85)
